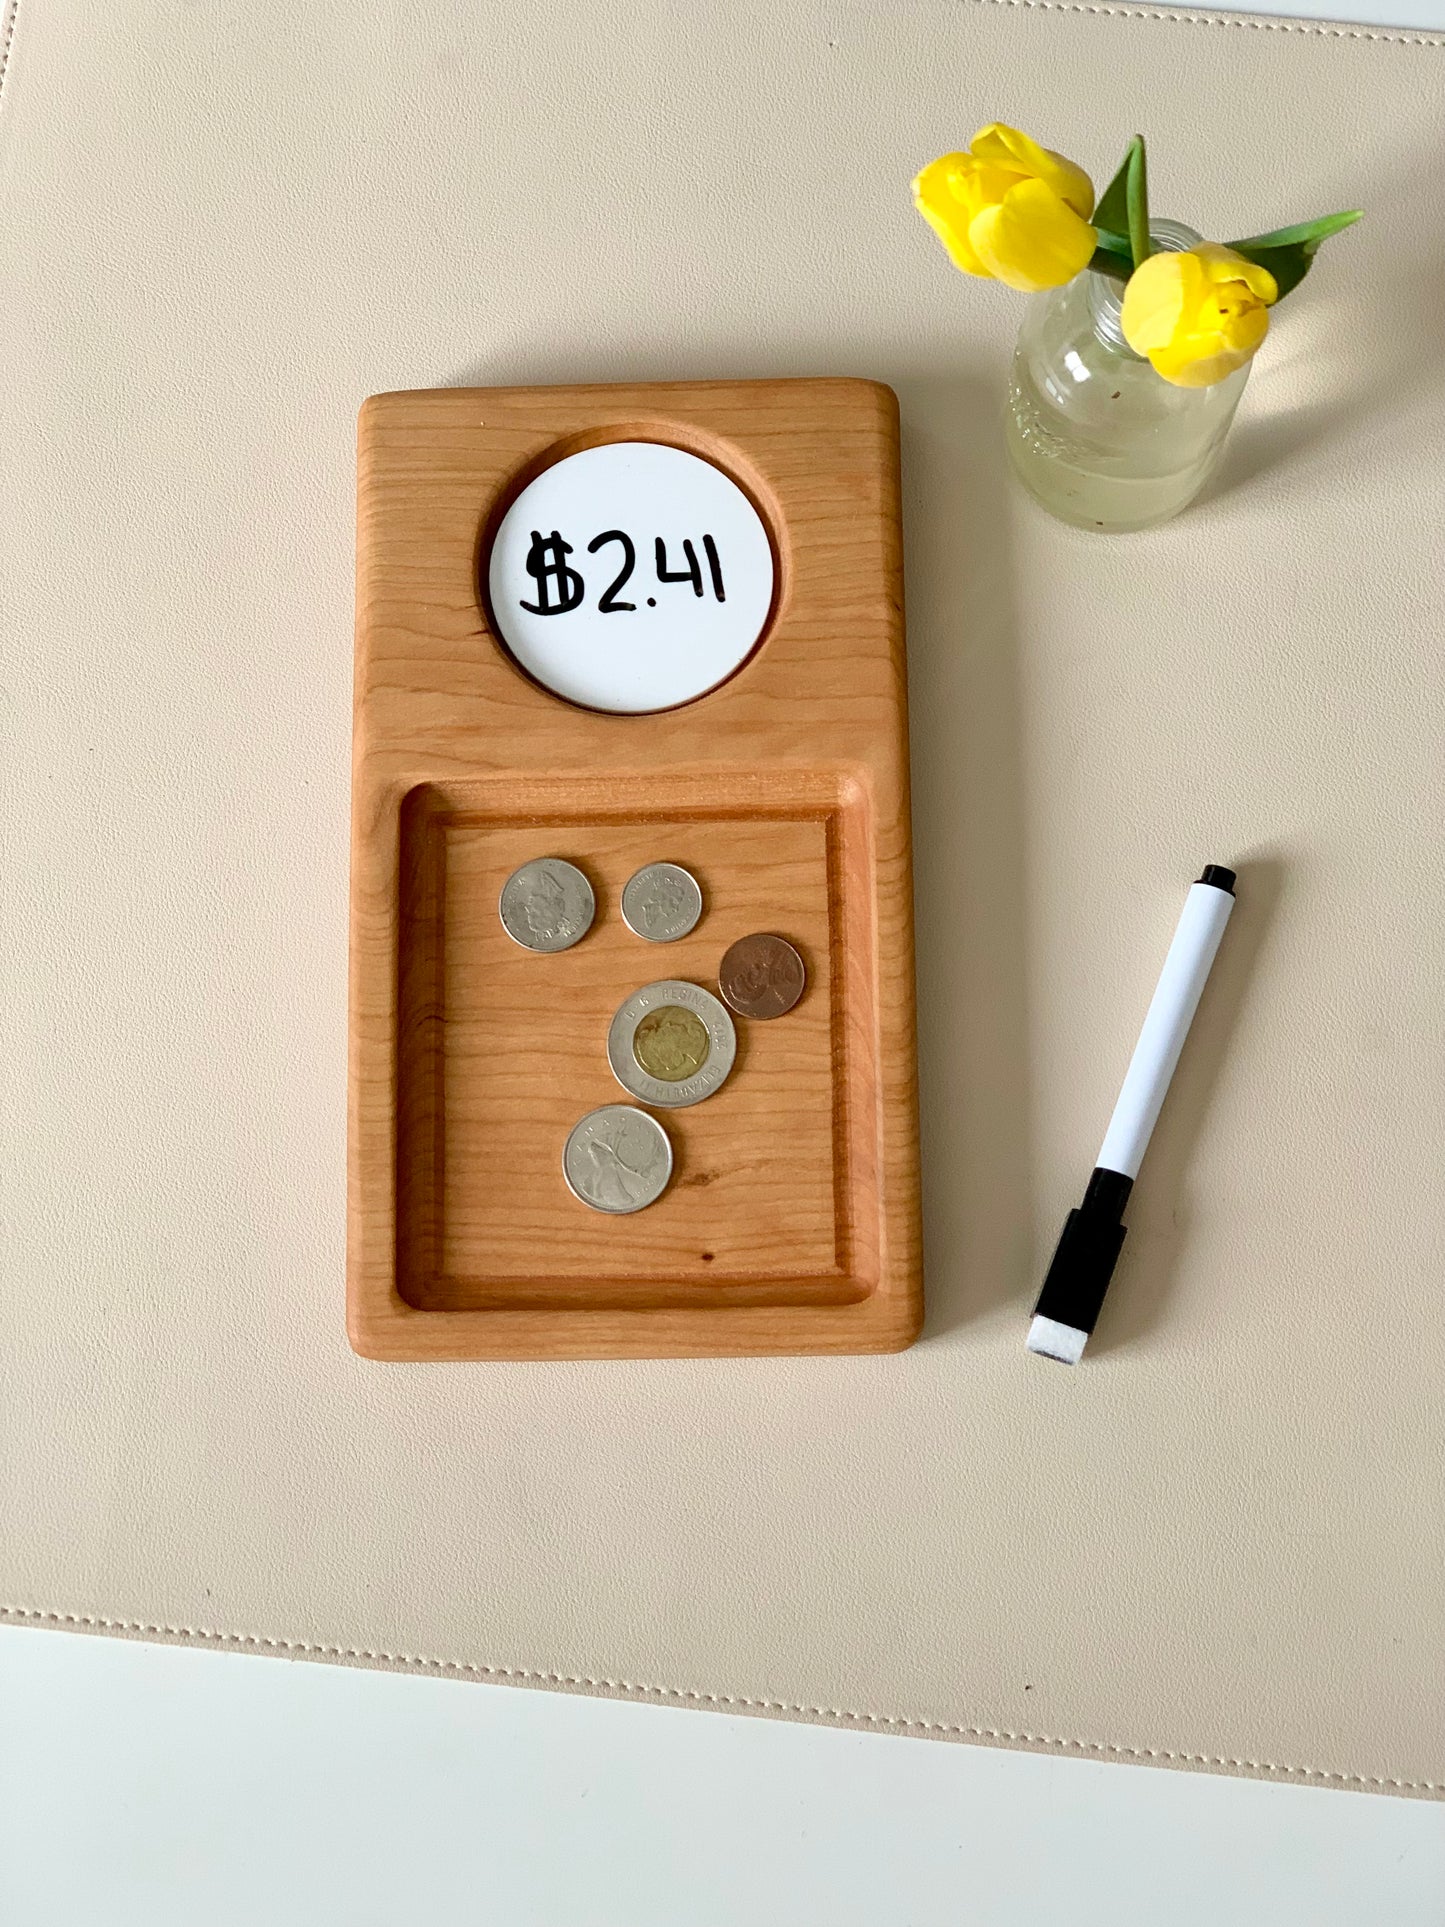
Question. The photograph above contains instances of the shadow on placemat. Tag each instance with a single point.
(1359, 352)
(969, 851)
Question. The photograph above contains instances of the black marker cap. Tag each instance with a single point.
(1087, 1253)
(1220, 877)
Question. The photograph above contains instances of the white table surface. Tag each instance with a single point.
(158, 1785)
(1419, 14)
(150, 1786)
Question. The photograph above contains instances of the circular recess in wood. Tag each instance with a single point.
(631, 576)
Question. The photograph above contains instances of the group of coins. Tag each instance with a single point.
(671, 1043)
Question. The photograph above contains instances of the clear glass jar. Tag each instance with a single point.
(1095, 435)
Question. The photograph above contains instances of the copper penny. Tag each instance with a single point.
(761, 976)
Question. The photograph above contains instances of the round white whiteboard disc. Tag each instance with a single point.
(631, 577)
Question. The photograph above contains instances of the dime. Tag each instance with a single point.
(662, 902)
(761, 976)
(547, 905)
(657, 1031)
(617, 1159)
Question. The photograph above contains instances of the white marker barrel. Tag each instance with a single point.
(1186, 968)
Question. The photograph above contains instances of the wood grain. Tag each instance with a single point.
(791, 1224)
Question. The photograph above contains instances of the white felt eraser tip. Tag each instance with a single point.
(1052, 1340)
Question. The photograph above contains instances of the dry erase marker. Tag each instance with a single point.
(1094, 1234)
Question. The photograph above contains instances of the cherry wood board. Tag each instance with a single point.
(792, 1220)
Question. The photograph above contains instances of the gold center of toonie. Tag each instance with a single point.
(671, 1044)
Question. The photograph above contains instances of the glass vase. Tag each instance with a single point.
(1095, 435)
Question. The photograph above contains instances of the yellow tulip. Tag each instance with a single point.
(1198, 315)
(1010, 209)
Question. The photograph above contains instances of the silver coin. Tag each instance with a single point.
(648, 1007)
(662, 902)
(547, 905)
(617, 1159)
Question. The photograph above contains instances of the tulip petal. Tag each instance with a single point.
(1197, 315)
(1031, 240)
(1223, 264)
(942, 196)
(1227, 329)
(1157, 297)
(1187, 365)
(1009, 147)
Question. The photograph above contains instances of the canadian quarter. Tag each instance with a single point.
(662, 902)
(617, 1159)
(547, 905)
(671, 993)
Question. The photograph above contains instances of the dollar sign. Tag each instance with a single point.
(547, 565)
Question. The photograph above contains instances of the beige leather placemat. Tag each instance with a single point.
(1220, 1542)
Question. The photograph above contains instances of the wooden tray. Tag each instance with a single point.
(791, 1224)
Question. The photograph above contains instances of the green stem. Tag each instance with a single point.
(1117, 266)
(1137, 201)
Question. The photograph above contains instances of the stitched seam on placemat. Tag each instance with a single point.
(686, 1696)
(1328, 30)
(9, 14)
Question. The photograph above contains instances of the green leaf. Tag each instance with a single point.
(1288, 265)
(1303, 232)
(1121, 218)
(1112, 212)
(1137, 198)
(1289, 252)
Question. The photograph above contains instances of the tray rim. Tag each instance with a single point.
(381, 1324)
